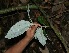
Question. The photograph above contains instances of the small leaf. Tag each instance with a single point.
(43, 21)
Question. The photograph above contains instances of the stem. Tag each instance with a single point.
(45, 26)
(18, 8)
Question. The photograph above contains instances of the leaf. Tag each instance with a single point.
(40, 36)
(44, 32)
(18, 29)
(22, 26)
(43, 21)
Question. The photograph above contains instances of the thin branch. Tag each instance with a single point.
(17, 8)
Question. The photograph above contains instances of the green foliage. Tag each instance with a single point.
(43, 21)
(44, 32)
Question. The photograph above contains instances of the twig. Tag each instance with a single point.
(45, 26)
